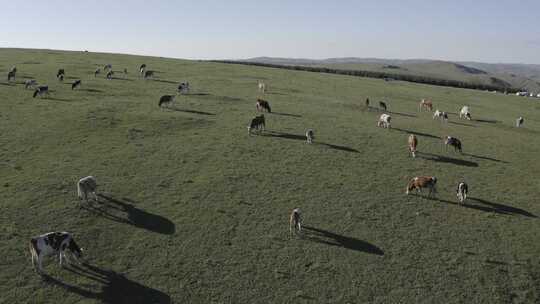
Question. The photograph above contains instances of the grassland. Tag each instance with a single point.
(193, 210)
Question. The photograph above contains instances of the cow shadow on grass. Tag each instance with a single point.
(191, 111)
(491, 121)
(445, 159)
(92, 90)
(461, 124)
(286, 114)
(120, 78)
(401, 114)
(165, 81)
(416, 133)
(486, 158)
(303, 138)
(125, 212)
(58, 99)
(329, 238)
(115, 287)
(486, 206)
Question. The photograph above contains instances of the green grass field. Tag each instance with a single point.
(193, 210)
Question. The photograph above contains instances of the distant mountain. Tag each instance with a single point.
(521, 76)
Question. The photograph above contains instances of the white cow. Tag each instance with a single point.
(441, 115)
(53, 244)
(465, 112)
(384, 121)
(310, 136)
(262, 87)
(85, 186)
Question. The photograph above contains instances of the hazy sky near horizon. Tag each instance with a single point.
(487, 31)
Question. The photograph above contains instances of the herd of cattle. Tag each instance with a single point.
(63, 245)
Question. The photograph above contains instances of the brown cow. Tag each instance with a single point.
(263, 105)
(420, 182)
(413, 142)
(426, 104)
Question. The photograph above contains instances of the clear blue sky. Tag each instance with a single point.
(489, 31)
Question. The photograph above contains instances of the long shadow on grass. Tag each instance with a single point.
(165, 81)
(133, 215)
(115, 287)
(445, 159)
(416, 133)
(486, 158)
(191, 111)
(401, 114)
(486, 206)
(461, 124)
(492, 121)
(58, 99)
(286, 114)
(303, 138)
(333, 239)
(91, 90)
(119, 78)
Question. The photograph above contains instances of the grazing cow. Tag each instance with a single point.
(142, 68)
(148, 74)
(11, 76)
(183, 88)
(426, 104)
(110, 75)
(76, 84)
(382, 105)
(30, 83)
(262, 105)
(519, 122)
(60, 72)
(166, 100)
(107, 67)
(85, 186)
(53, 244)
(61, 77)
(413, 142)
(367, 102)
(257, 123)
(384, 121)
(465, 113)
(420, 182)
(454, 142)
(97, 72)
(310, 136)
(262, 87)
(441, 115)
(295, 221)
(462, 190)
(41, 90)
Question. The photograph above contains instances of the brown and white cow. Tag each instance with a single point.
(295, 221)
(53, 244)
(413, 142)
(420, 182)
(426, 104)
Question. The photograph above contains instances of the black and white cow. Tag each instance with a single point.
(166, 100)
(454, 142)
(257, 123)
(58, 244)
(310, 136)
(41, 91)
(519, 122)
(462, 190)
(183, 88)
(263, 105)
(85, 187)
(384, 121)
(97, 72)
(76, 84)
(110, 75)
(60, 72)
(295, 221)
(142, 68)
(107, 67)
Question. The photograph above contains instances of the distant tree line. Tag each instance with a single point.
(382, 75)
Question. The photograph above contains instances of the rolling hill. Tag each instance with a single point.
(520, 76)
(194, 210)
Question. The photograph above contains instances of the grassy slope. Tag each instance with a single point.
(201, 208)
